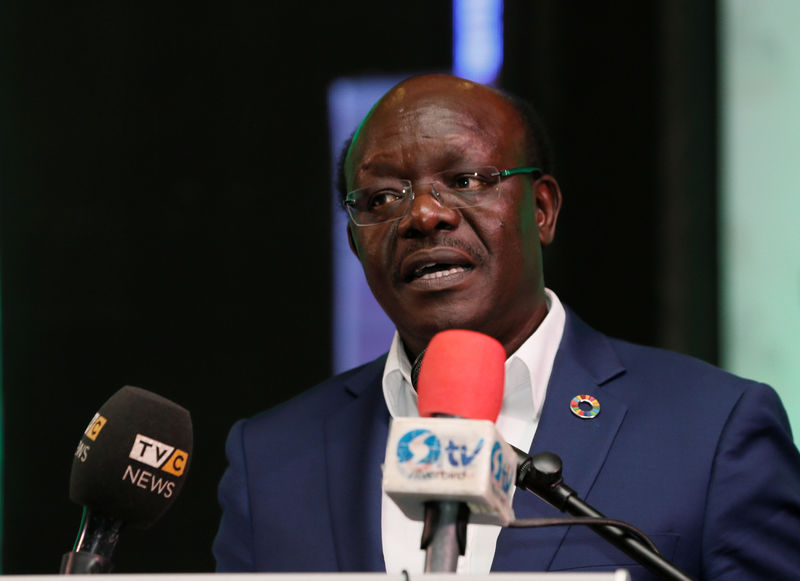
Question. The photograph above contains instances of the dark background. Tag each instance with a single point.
(165, 185)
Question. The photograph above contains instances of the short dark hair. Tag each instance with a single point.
(341, 178)
(538, 147)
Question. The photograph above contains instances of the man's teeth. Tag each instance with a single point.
(442, 273)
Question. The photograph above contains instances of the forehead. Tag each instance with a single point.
(425, 126)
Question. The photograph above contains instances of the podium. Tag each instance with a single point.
(618, 575)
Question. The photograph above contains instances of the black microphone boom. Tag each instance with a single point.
(541, 474)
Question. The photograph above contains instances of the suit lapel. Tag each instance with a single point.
(584, 363)
(355, 446)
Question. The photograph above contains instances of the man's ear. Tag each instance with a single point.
(548, 204)
(351, 240)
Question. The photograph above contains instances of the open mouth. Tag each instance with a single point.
(437, 270)
(436, 264)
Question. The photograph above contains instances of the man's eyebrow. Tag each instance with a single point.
(379, 166)
(454, 156)
(447, 157)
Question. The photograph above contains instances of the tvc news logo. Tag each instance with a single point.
(93, 429)
(145, 449)
(158, 455)
(167, 459)
(91, 432)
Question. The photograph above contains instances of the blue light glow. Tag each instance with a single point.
(361, 330)
(478, 39)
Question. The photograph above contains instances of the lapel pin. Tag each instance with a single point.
(585, 406)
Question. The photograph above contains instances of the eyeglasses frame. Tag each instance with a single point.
(503, 173)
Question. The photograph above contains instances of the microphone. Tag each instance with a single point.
(463, 362)
(129, 466)
(451, 466)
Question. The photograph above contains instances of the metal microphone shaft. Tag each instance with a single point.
(96, 541)
(541, 474)
(444, 536)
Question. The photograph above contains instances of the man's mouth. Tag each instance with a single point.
(435, 265)
(436, 270)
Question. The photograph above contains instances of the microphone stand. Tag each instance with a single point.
(444, 535)
(541, 474)
(96, 540)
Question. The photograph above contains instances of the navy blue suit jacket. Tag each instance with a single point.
(700, 460)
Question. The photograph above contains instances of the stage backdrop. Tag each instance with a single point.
(165, 175)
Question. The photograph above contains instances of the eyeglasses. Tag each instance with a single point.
(387, 199)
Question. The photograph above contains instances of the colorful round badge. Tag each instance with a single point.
(588, 400)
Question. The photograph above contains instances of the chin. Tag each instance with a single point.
(443, 323)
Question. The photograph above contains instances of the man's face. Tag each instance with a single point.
(439, 268)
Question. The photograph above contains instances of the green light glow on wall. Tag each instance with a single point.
(2, 430)
(760, 194)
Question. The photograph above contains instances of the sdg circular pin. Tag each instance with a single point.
(589, 410)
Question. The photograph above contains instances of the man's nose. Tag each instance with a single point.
(428, 212)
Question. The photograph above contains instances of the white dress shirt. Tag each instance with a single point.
(527, 374)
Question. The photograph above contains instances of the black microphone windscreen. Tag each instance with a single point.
(132, 459)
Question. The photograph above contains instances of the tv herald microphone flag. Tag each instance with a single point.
(463, 458)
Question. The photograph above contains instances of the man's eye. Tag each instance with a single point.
(463, 182)
(470, 181)
(384, 197)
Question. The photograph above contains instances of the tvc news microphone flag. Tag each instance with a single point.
(132, 459)
(460, 458)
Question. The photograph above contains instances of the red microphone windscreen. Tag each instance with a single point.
(462, 374)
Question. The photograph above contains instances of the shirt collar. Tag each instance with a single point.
(527, 370)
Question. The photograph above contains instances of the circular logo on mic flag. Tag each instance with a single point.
(420, 445)
(585, 406)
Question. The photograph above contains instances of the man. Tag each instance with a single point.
(701, 461)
